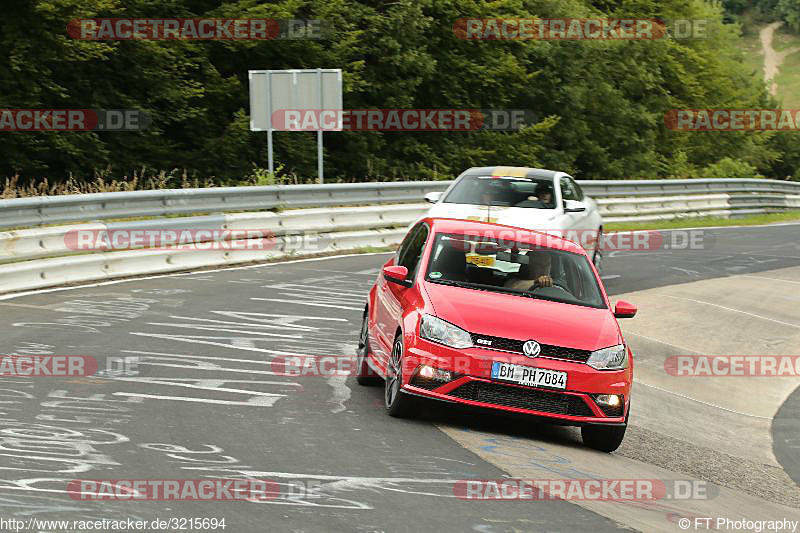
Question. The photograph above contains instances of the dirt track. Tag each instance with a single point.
(772, 58)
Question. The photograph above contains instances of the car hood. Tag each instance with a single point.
(523, 217)
(521, 318)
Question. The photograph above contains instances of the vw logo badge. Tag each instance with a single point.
(531, 348)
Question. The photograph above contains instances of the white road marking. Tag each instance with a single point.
(702, 402)
(662, 342)
(196, 339)
(182, 274)
(202, 357)
(279, 300)
(261, 325)
(735, 311)
(771, 279)
(260, 401)
(212, 327)
(341, 392)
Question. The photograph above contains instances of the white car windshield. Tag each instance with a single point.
(503, 192)
(499, 265)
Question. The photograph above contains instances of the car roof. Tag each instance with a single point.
(492, 230)
(513, 172)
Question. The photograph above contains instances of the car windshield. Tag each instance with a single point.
(499, 265)
(503, 192)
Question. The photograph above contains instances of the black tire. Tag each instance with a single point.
(398, 404)
(365, 376)
(603, 438)
(597, 258)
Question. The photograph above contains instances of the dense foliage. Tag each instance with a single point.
(601, 103)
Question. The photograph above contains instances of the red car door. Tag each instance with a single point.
(391, 298)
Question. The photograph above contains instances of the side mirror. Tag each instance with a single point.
(433, 197)
(624, 309)
(396, 274)
(574, 206)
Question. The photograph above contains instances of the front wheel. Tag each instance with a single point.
(397, 403)
(603, 438)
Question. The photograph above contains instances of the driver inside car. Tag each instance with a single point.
(533, 275)
(544, 193)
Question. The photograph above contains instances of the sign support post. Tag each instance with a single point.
(311, 91)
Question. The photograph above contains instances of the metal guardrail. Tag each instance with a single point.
(277, 228)
(620, 188)
(41, 210)
(41, 257)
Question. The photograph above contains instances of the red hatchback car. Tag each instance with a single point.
(498, 317)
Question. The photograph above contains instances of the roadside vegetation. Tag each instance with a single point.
(600, 103)
(704, 222)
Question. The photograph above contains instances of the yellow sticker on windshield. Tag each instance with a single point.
(482, 219)
(480, 260)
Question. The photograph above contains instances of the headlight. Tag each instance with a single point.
(437, 330)
(613, 358)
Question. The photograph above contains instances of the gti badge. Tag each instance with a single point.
(531, 348)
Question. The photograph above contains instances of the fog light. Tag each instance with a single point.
(435, 374)
(608, 400)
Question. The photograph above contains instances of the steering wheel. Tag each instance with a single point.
(556, 283)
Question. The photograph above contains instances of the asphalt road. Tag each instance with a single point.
(204, 402)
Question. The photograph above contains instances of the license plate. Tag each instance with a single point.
(528, 375)
(480, 260)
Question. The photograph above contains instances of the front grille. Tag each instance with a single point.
(614, 412)
(535, 400)
(515, 346)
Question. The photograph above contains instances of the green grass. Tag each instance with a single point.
(701, 222)
(752, 57)
(784, 39)
(788, 79)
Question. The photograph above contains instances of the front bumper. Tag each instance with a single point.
(474, 386)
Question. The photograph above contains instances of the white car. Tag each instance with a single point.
(529, 198)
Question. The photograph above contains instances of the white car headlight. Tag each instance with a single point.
(437, 330)
(612, 358)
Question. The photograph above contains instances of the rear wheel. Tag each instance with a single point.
(365, 375)
(398, 404)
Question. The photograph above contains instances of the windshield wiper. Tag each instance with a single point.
(446, 282)
(482, 287)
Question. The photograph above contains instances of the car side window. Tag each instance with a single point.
(410, 251)
(568, 192)
(577, 188)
